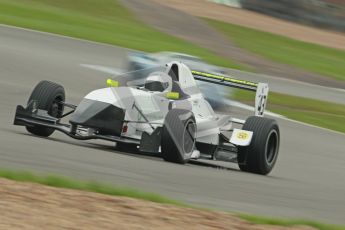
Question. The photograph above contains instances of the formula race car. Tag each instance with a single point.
(162, 113)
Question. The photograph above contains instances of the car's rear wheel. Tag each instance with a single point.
(178, 136)
(48, 96)
(261, 155)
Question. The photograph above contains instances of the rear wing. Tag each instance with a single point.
(261, 89)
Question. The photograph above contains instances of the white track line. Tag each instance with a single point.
(105, 69)
(64, 36)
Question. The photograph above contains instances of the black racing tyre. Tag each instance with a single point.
(178, 136)
(261, 155)
(48, 96)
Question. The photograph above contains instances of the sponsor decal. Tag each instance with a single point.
(242, 135)
(228, 79)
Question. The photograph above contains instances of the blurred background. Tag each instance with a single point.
(328, 14)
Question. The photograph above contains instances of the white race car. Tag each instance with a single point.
(163, 113)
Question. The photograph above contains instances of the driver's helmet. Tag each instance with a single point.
(158, 81)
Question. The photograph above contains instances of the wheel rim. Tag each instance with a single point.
(189, 137)
(56, 108)
(271, 147)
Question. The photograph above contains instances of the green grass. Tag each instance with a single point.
(104, 21)
(315, 112)
(315, 58)
(289, 223)
(63, 182)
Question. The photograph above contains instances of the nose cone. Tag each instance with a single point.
(104, 117)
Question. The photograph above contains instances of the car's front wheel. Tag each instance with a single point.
(178, 136)
(48, 96)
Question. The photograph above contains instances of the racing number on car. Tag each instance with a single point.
(262, 103)
(242, 135)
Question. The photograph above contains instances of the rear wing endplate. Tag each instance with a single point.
(261, 89)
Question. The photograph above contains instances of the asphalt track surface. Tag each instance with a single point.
(307, 182)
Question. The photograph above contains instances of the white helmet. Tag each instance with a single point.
(158, 81)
